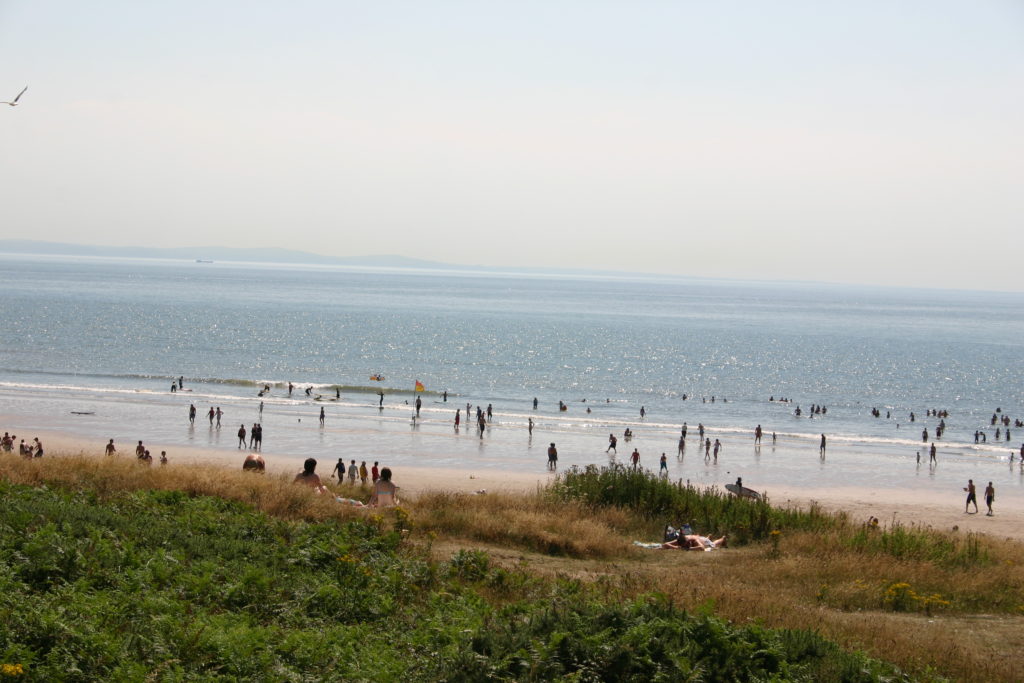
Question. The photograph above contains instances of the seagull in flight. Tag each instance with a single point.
(15, 102)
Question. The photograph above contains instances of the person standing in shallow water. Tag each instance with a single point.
(241, 436)
(552, 457)
(821, 448)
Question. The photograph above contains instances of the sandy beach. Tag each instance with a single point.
(903, 506)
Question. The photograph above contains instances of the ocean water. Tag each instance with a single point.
(108, 336)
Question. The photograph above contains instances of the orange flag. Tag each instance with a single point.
(419, 386)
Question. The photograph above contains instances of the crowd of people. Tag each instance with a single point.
(32, 449)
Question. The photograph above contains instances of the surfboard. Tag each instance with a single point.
(742, 491)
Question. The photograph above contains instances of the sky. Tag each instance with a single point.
(872, 142)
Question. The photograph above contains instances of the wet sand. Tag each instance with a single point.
(940, 510)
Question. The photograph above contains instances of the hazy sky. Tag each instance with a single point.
(878, 142)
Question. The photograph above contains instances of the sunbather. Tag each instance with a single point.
(694, 542)
(384, 491)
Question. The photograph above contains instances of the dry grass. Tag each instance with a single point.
(811, 580)
(273, 494)
(525, 521)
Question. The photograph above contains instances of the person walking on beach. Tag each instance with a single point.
(682, 433)
(212, 414)
(664, 465)
(707, 448)
(321, 416)
(990, 497)
(821, 448)
(241, 436)
(971, 496)
(192, 413)
(220, 413)
(757, 435)
(682, 446)
(635, 458)
(529, 426)
(718, 447)
(458, 418)
(552, 457)
(110, 450)
(339, 468)
(363, 473)
(700, 430)
(375, 472)
(612, 441)
(352, 472)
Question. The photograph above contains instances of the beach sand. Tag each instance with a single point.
(904, 506)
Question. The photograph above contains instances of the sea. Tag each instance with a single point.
(92, 346)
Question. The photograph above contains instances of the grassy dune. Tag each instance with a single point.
(116, 570)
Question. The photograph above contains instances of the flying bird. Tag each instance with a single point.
(15, 102)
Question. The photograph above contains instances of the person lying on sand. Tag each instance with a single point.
(693, 542)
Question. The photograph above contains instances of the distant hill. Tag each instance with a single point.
(254, 255)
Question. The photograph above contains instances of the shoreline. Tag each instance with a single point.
(889, 505)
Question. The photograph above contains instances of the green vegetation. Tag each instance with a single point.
(164, 585)
(710, 510)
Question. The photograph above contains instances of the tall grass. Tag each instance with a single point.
(918, 543)
(710, 510)
(106, 477)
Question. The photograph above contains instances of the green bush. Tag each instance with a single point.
(710, 510)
